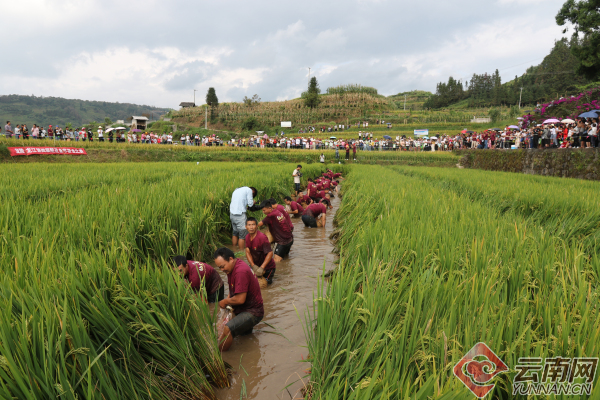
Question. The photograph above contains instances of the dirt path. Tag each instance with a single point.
(271, 362)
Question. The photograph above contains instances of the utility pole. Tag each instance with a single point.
(195, 96)
(309, 75)
(520, 97)
(404, 102)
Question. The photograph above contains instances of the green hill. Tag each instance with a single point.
(554, 77)
(58, 111)
(412, 100)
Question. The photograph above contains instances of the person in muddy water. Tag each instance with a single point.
(280, 230)
(258, 251)
(200, 275)
(295, 209)
(276, 205)
(242, 199)
(314, 215)
(244, 297)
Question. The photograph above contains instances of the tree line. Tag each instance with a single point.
(556, 76)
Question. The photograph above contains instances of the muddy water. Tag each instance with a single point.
(271, 362)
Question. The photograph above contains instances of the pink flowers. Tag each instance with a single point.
(569, 107)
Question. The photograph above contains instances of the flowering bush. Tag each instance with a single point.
(565, 107)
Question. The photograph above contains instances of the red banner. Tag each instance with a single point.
(27, 151)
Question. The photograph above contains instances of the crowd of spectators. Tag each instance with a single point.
(582, 133)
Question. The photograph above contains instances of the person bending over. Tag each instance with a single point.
(295, 209)
(244, 297)
(281, 208)
(258, 251)
(241, 200)
(200, 275)
(315, 215)
(280, 230)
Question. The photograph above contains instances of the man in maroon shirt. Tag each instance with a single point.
(281, 208)
(305, 199)
(199, 275)
(258, 251)
(280, 230)
(311, 189)
(296, 209)
(244, 297)
(313, 213)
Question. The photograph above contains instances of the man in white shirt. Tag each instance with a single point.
(297, 175)
(241, 200)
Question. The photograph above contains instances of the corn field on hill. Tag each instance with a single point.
(349, 109)
(333, 108)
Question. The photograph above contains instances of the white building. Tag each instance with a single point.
(139, 123)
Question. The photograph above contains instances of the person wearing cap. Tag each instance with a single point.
(200, 275)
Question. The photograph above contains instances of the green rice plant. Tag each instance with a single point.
(90, 306)
(424, 274)
(563, 206)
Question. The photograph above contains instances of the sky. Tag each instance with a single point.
(157, 52)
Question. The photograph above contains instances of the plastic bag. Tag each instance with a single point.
(225, 315)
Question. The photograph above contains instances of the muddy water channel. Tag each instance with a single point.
(265, 363)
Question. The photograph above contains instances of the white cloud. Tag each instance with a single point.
(156, 53)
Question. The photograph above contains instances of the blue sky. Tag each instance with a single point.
(155, 52)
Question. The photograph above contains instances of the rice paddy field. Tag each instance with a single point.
(90, 308)
(102, 152)
(433, 261)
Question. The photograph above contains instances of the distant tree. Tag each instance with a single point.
(446, 94)
(494, 114)
(107, 121)
(311, 97)
(213, 101)
(211, 97)
(584, 15)
(251, 101)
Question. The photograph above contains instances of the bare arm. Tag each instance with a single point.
(236, 300)
(268, 259)
(249, 256)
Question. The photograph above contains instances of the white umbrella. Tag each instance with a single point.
(109, 130)
(120, 128)
(519, 117)
(567, 121)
